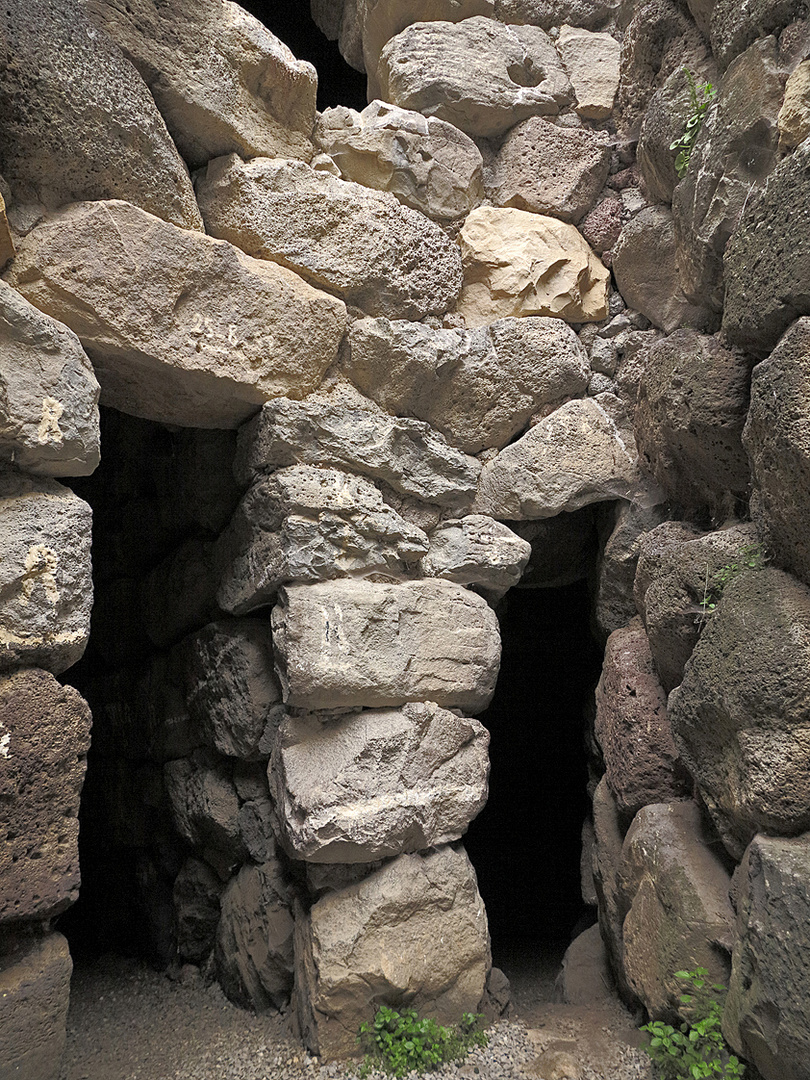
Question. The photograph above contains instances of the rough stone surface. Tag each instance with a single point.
(44, 737)
(254, 947)
(794, 115)
(689, 416)
(181, 328)
(477, 387)
(7, 247)
(362, 244)
(223, 83)
(310, 524)
(766, 1011)
(767, 261)
(404, 453)
(205, 807)
(34, 992)
(586, 978)
(741, 717)
(734, 28)
(777, 439)
(384, 939)
(197, 897)
(609, 832)
(615, 605)
(591, 14)
(48, 393)
(353, 643)
(632, 726)
(603, 225)
(45, 578)
(475, 550)
(77, 122)
(574, 457)
(550, 170)
(680, 916)
(427, 163)
(519, 263)
(377, 783)
(592, 62)
(518, 74)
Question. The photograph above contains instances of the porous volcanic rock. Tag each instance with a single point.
(592, 62)
(475, 550)
(205, 807)
(794, 115)
(34, 992)
(181, 328)
(734, 28)
(591, 14)
(615, 605)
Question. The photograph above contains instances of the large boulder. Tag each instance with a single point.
(377, 783)
(77, 121)
(477, 387)
(353, 433)
(46, 586)
(679, 916)
(181, 328)
(593, 63)
(48, 393)
(305, 523)
(571, 458)
(204, 808)
(44, 737)
(362, 244)
(427, 163)
(609, 830)
(777, 439)
(520, 263)
(550, 170)
(518, 74)
(733, 28)
(223, 83)
(34, 991)
(414, 930)
(742, 712)
(356, 643)
(766, 1017)
(475, 550)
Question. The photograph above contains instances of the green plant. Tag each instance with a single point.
(700, 97)
(751, 557)
(696, 1049)
(398, 1042)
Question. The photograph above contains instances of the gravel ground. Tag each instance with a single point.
(128, 1022)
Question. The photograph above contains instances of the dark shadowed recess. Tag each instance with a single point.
(525, 845)
(338, 84)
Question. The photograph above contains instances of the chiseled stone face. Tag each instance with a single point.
(592, 62)
(34, 993)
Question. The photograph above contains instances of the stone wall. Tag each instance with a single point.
(358, 369)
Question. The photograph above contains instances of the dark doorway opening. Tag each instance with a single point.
(526, 844)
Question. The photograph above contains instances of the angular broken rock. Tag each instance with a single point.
(519, 263)
(362, 244)
(305, 523)
(197, 897)
(615, 605)
(427, 163)
(77, 121)
(34, 994)
(407, 454)
(45, 577)
(377, 783)
(518, 74)
(794, 115)
(573, 457)
(181, 328)
(355, 643)
(223, 83)
(415, 930)
(44, 738)
(205, 806)
(477, 387)
(592, 62)
(475, 550)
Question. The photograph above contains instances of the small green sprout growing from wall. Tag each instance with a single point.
(701, 97)
(751, 557)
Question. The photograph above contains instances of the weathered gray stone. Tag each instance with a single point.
(592, 62)
(305, 523)
(386, 938)
(377, 783)
(609, 833)
(680, 916)
(574, 457)
(353, 643)
(34, 993)
(475, 550)
(77, 121)
(197, 896)
(741, 717)
(44, 737)
(591, 14)
(223, 83)
(205, 806)
(518, 74)
(586, 977)
(777, 439)
(7, 246)
(254, 947)
(428, 164)
(48, 393)
(357, 435)
(362, 244)
(765, 1017)
(734, 28)
(794, 115)
(477, 387)
(563, 549)
(550, 170)
(615, 605)
(181, 328)
(45, 578)
(603, 225)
